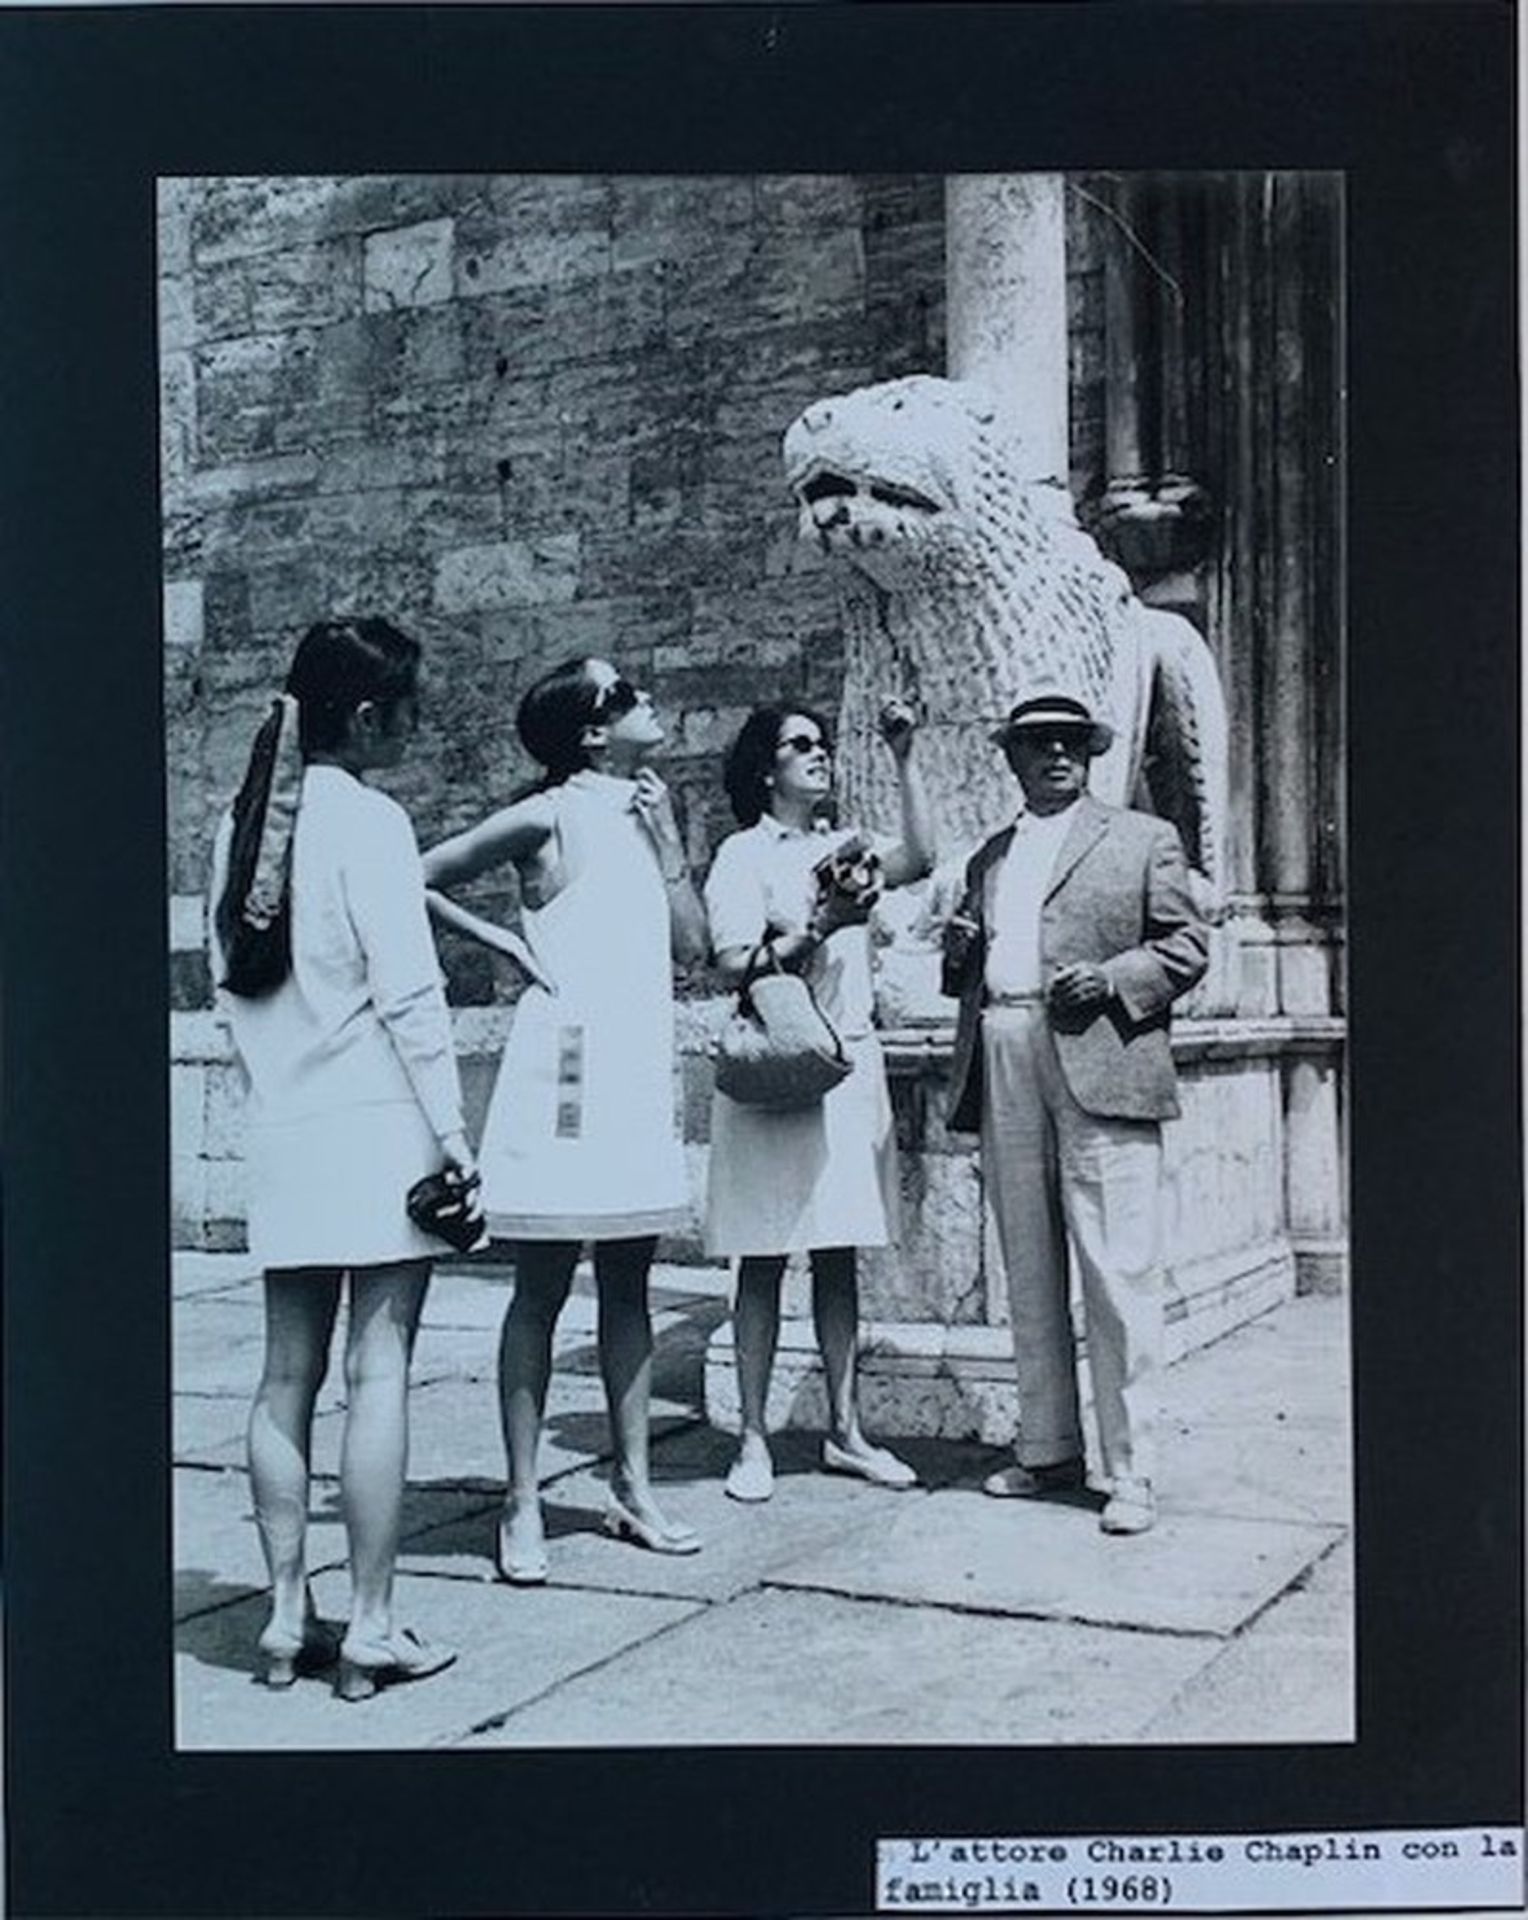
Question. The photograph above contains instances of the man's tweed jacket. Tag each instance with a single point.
(1118, 897)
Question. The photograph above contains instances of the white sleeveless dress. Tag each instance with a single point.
(581, 1141)
(827, 1175)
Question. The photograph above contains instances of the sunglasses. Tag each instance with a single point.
(802, 743)
(620, 697)
(1074, 741)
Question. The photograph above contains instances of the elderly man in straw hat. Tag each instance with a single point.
(1076, 934)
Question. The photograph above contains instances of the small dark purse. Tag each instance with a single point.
(446, 1205)
(778, 1050)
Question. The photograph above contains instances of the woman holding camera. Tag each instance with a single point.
(788, 892)
(321, 946)
(580, 1142)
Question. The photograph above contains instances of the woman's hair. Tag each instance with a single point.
(338, 665)
(551, 719)
(751, 757)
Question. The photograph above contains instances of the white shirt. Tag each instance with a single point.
(1013, 939)
(762, 878)
(361, 1018)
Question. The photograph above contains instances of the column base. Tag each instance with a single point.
(1321, 1266)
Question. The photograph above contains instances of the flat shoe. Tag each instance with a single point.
(283, 1656)
(1034, 1483)
(520, 1567)
(876, 1464)
(1129, 1510)
(623, 1524)
(367, 1666)
(750, 1479)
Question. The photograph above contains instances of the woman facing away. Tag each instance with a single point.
(332, 991)
(580, 1143)
(821, 1180)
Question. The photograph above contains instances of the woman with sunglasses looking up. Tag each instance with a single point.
(329, 981)
(580, 1142)
(821, 1180)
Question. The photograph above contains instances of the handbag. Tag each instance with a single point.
(778, 1050)
(445, 1205)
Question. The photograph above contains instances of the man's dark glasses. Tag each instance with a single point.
(1073, 741)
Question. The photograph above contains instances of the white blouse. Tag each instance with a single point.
(362, 1017)
(762, 877)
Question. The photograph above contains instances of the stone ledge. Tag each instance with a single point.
(956, 1382)
(913, 1050)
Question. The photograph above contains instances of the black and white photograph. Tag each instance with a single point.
(761, 1050)
(757, 1056)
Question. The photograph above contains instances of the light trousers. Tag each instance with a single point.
(1051, 1169)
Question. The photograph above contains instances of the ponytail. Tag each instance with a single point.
(253, 914)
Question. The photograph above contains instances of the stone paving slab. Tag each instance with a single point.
(193, 1274)
(1319, 1604)
(216, 1346)
(1260, 1472)
(1257, 1693)
(1286, 1367)
(1255, 1484)
(454, 1353)
(514, 1646)
(1047, 1559)
(217, 1550)
(875, 1675)
(219, 1347)
(1258, 1426)
(454, 1437)
(472, 1299)
(742, 1544)
(1289, 1677)
(469, 1294)
(476, 1295)
(208, 1430)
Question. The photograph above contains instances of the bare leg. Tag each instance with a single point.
(385, 1303)
(835, 1311)
(626, 1365)
(835, 1314)
(300, 1305)
(756, 1335)
(543, 1275)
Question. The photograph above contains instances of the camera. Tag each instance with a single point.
(850, 875)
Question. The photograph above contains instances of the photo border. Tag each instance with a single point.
(1415, 104)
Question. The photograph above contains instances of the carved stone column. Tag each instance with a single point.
(1275, 600)
(1005, 251)
(1153, 515)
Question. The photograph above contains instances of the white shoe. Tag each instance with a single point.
(878, 1465)
(1131, 1508)
(751, 1476)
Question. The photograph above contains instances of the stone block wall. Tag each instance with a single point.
(526, 417)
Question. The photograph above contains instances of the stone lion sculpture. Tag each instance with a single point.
(970, 586)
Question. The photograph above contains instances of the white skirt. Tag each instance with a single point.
(580, 1141)
(825, 1176)
(328, 1190)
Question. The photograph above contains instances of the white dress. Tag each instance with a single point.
(352, 1073)
(581, 1141)
(825, 1176)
